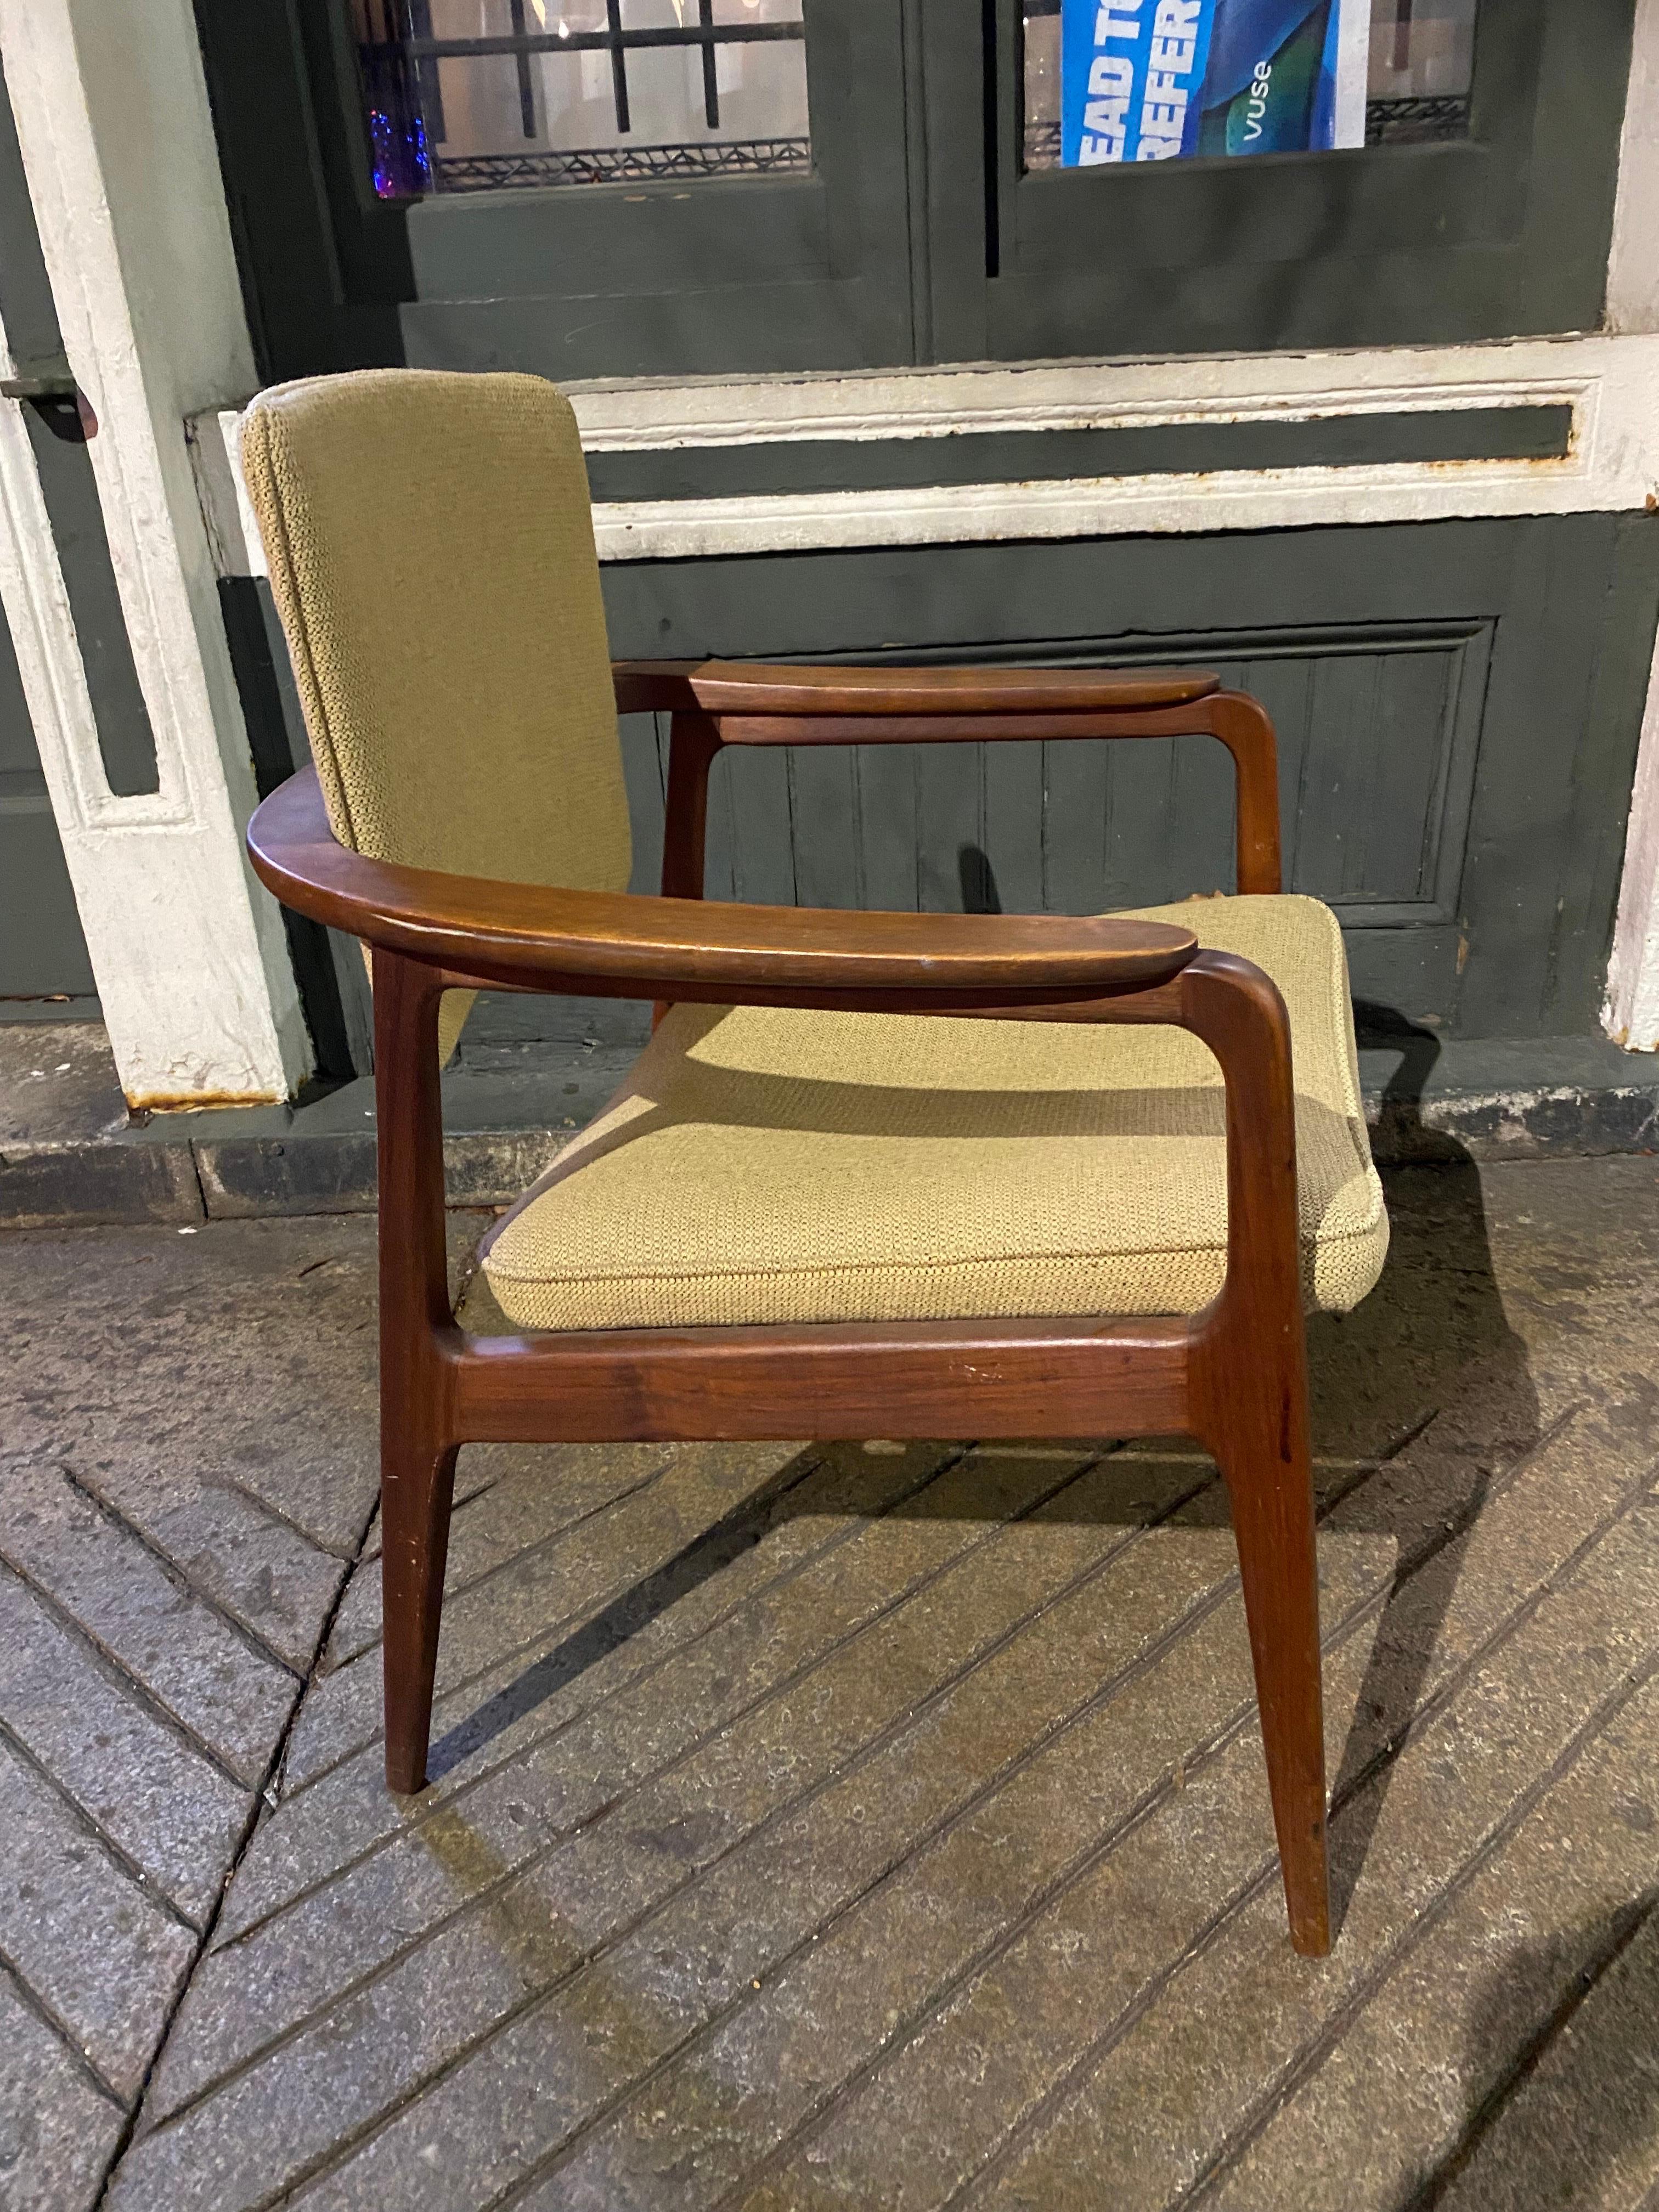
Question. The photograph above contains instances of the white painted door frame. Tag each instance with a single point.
(1632, 1013)
(190, 956)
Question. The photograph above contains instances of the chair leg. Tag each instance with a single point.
(1270, 1480)
(417, 1485)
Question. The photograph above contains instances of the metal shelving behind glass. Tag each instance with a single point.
(480, 95)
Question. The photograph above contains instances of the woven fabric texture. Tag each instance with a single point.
(763, 1165)
(430, 547)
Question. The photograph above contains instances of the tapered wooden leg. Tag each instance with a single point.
(417, 1485)
(417, 1448)
(1251, 1406)
(1272, 1493)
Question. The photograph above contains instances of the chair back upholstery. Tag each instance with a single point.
(431, 554)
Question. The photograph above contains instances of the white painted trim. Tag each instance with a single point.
(215, 452)
(1353, 54)
(1632, 297)
(1612, 385)
(1631, 1011)
(1221, 500)
(37, 609)
(191, 960)
(1074, 394)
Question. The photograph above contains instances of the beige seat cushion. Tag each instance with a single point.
(770, 1165)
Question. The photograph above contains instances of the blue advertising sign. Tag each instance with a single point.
(1153, 80)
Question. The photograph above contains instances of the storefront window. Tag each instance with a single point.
(475, 95)
(1155, 79)
(737, 186)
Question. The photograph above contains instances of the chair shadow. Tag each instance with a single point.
(1430, 1347)
(978, 880)
(711, 1549)
(864, 1483)
(1560, 2074)
(1432, 1338)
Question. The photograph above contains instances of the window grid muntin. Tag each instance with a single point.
(400, 71)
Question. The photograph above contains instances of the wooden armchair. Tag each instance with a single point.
(896, 1175)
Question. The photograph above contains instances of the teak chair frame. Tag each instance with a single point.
(1233, 1376)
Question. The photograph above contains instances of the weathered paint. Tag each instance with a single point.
(1632, 1014)
(1633, 298)
(1611, 385)
(191, 961)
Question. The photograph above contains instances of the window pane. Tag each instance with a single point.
(472, 95)
(1155, 79)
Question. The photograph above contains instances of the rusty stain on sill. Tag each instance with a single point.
(146, 1102)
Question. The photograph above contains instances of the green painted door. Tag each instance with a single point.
(686, 187)
(573, 187)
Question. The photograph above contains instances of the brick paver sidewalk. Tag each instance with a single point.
(854, 1827)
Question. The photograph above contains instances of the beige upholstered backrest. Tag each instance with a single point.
(431, 555)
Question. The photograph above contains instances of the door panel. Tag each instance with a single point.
(923, 221)
(805, 324)
(1378, 726)
(1458, 706)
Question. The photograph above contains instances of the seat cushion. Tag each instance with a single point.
(765, 1165)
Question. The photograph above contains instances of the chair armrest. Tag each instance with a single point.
(612, 944)
(715, 703)
(736, 687)
(645, 687)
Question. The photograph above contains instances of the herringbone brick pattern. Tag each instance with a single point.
(830, 1828)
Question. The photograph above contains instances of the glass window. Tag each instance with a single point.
(1155, 79)
(473, 95)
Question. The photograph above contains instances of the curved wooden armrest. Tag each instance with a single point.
(611, 943)
(736, 687)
